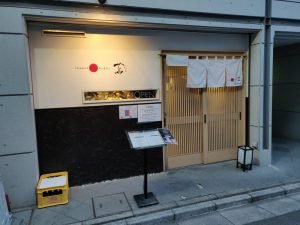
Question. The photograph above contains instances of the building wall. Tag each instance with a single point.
(286, 92)
(18, 150)
(139, 50)
(89, 141)
(231, 7)
(253, 8)
(286, 9)
(15, 82)
(256, 93)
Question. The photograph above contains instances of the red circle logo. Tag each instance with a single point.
(93, 68)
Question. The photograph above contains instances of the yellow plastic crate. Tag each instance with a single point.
(50, 192)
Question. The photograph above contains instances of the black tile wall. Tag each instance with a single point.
(90, 143)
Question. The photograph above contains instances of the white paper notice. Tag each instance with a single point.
(127, 112)
(154, 138)
(53, 182)
(145, 139)
(137, 139)
(149, 113)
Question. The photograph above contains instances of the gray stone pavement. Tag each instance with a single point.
(112, 200)
(264, 212)
(245, 214)
(292, 218)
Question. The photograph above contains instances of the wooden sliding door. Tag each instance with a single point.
(207, 123)
(184, 119)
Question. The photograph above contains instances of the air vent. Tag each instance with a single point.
(68, 33)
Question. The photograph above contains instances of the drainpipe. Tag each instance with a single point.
(266, 100)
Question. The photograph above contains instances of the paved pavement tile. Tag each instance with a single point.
(245, 214)
(21, 218)
(110, 204)
(46, 216)
(81, 193)
(292, 218)
(76, 210)
(207, 219)
(279, 206)
(295, 196)
(221, 179)
(82, 212)
(63, 209)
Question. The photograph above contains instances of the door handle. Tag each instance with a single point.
(204, 118)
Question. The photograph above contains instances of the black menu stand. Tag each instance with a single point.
(147, 198)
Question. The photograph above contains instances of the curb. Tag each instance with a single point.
(233, 201)
(265, 194)
(193, 207)
(152, 219)
(193, 210)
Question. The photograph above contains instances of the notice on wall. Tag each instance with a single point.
(127, 112)
(149, 113)
(145, 139)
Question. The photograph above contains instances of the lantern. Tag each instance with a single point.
(244, 157)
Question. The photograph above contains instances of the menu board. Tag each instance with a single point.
(167, 136)
(145, 139)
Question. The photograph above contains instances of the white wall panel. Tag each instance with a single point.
(11, 20)
(255, 105)
(286, 9)
(20, 176)
(14, 77)
(121, 18)
(256, 80)
(138, 50)
(254, 135)
(17, 125)
(231, 7)
(256, 66)
(256, 98)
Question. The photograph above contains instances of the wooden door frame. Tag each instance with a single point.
(244, 54)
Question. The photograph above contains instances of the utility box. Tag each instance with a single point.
(53, 189)
(5, 217)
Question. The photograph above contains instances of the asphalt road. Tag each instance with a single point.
(292, 218)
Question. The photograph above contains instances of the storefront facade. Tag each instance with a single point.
(57, 57)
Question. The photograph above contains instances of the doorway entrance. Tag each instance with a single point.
(286, 104)
(208, 123)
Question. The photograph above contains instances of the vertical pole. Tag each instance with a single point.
(266, 108)
(244, 168)
(145, 173)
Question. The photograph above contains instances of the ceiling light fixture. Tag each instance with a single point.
(64, 33)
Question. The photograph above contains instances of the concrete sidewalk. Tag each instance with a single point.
(113, 200)
(281, 210)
